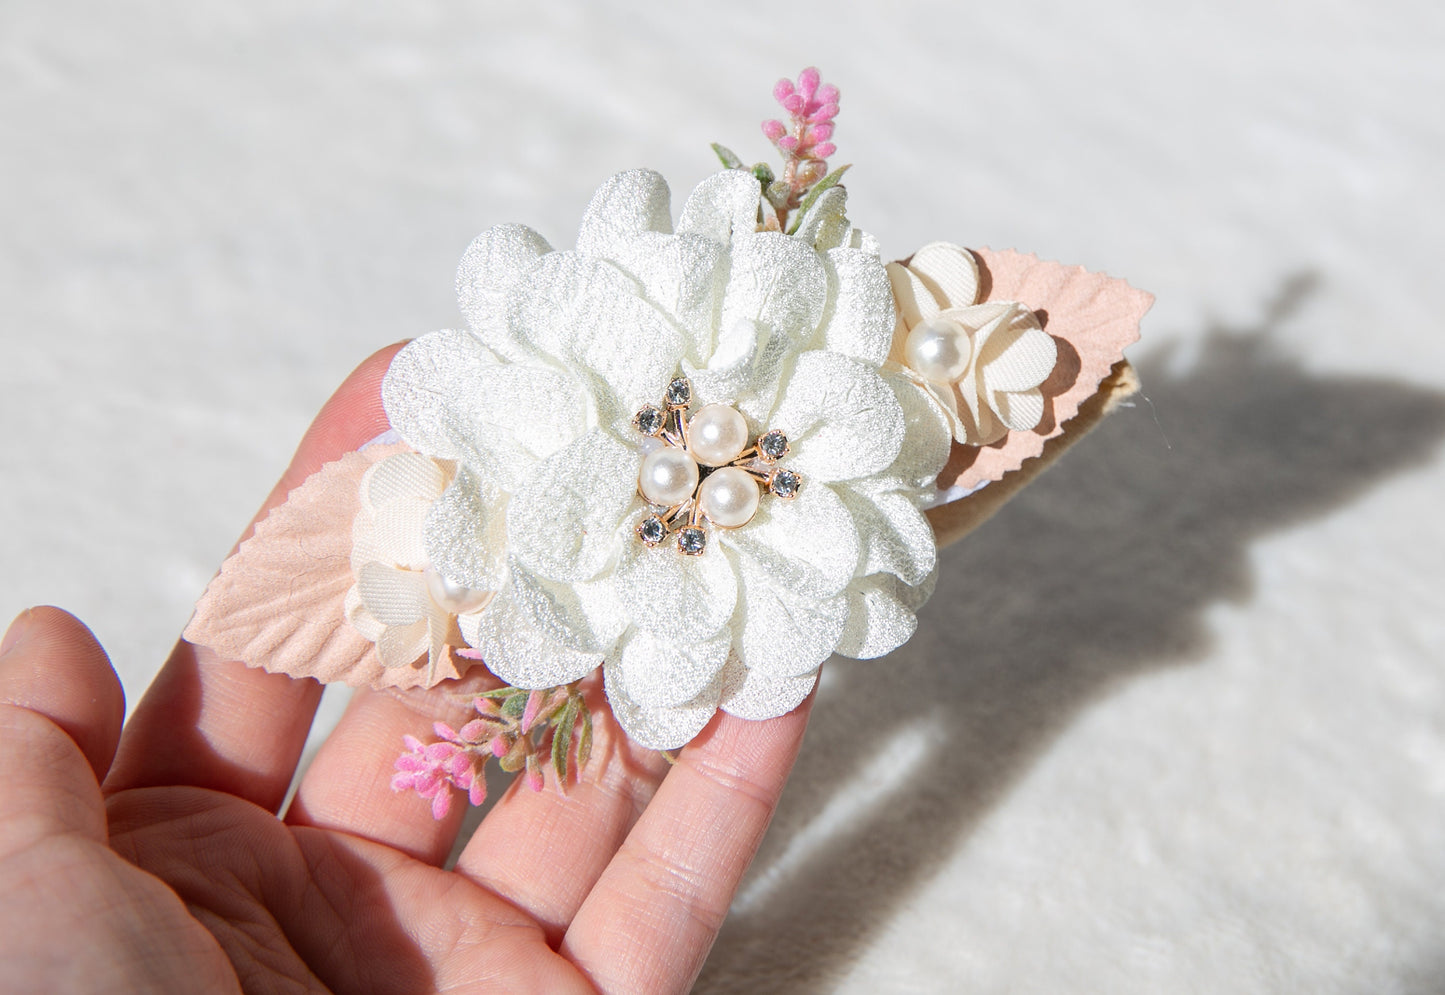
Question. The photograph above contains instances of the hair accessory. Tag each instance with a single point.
(701, 457)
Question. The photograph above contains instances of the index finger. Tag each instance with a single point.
(214, 723)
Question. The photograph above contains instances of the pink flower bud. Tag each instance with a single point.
(820, 133)
(499, 746)
(808, 81)
(825, 150)
(794, 104)
(788, 143)
(443, 730)
(774, 130)
(441, 804)
(824, 113)
(827, 94)
(477, 793)
(782, 90)
(535, 701)
(535, 780)
(472, 731)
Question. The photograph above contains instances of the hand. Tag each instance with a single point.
(152, 859)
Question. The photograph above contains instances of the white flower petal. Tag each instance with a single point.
(916, 303)
(826, 226)
(362, 619)
(778, 281)
(928, 417)
(633, 201)
(425, 386)
(563, 522)
(685, 599)
(683, 277)
(753, 694)
(878, 621)
(949, 271)
(1018, 357)
(515, 651)
(396, 533)
(465, 533)
(489, 267)
(393, 597)
(558, 612)
(402, 475)
(733, 369)
(587, 316)
(658, 673)
(660, 728)
(1020, 410)
(859, 321)
(724, 203)
(402, 645)
(781, 635)
(808, 544)
(895, 535)
(842, 420)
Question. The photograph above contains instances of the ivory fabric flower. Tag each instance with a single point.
(536, 400)
(399, 601)
(982, 362)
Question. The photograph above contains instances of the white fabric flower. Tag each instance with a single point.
(982, 362)
(400, 601)
(536, 400)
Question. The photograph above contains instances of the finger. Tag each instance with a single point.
(652, 917)
(217, 723)
(544, 851)
(348, 785)
(61, 708)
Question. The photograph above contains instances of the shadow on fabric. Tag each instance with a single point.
(1101, 571)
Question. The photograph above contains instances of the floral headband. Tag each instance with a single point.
(702, 457)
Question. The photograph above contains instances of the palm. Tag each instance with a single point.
(178, 875)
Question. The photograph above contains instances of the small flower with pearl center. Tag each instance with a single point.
(707, 468)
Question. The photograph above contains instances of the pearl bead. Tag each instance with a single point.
(729, 497)
(938, 350)
(668, 476)
(716, 435)
(451, 596)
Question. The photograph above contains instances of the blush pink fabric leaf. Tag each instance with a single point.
(279, 601)
(1096, 317)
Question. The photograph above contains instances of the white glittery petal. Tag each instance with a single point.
(392, 596)
(722, 204)
(658, 673)
(928, 434)
(859, 321)
(632, 201)
(878, 621)
(753, 694)
(489, 267)
(587, 315)
(781, 635)
(686, 599)
(778, 281)
(602, 607)
(896, 537)
(842, 420)
(514, 650)
(950, 272)
(660, 728)
(402, 475)
(683, 276)
(734, 369)
(809, 544)
(424, 381)
(563, 522)
(557, 612)
(465, 533)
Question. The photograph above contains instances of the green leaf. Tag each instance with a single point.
(515, 704)
(502, 692)
(584, 734)
(764, 174)
(562, 741)
(727, 156)
(831, 180)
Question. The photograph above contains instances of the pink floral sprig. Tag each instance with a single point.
(805, 139)
(523, 730)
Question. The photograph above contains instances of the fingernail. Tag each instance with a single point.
(14, 634)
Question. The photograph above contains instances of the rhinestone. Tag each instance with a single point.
(773, 446)
(679, 393)
(692, 541)
(649, 420)
(652, 531)
(785, 483)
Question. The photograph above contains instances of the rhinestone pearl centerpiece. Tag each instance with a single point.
(709, 470)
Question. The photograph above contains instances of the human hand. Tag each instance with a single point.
(160, 865)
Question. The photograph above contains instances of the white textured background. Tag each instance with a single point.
(1174, 721)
